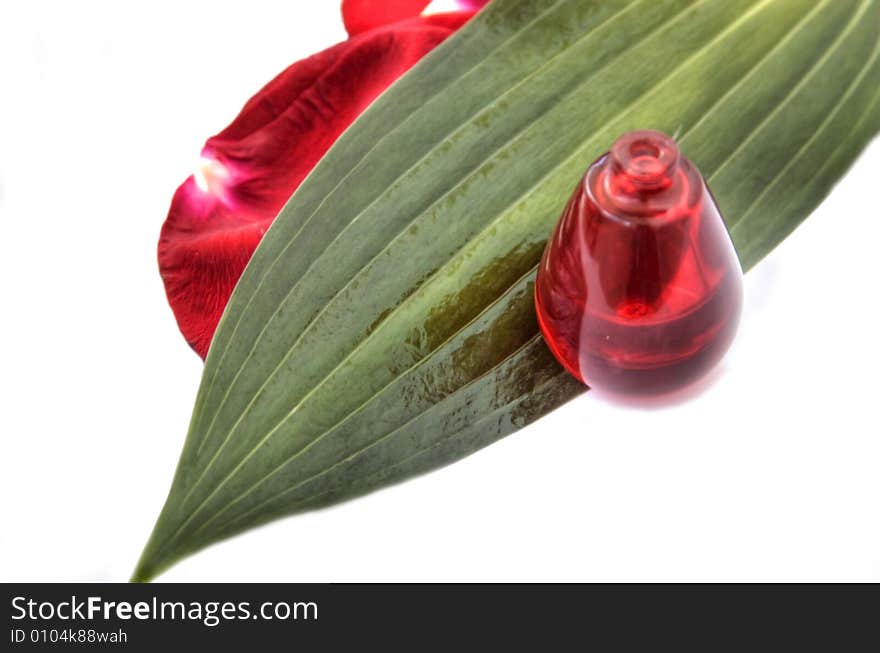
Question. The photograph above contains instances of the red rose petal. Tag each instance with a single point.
(250, 169)
(363, 15)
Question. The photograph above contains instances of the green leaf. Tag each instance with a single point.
(385, 324)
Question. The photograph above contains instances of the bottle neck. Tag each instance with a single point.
(640, 174)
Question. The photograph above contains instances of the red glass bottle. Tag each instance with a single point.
(639, 291)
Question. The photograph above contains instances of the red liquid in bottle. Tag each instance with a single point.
(639, 291)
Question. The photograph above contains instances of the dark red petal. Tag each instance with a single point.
(250, 169)
(363, 15)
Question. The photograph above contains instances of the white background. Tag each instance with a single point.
(771, 473)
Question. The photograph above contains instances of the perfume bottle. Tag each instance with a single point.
(639, 291)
